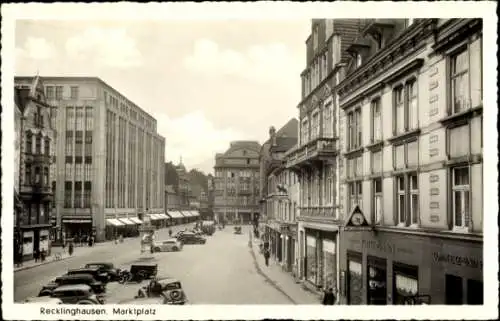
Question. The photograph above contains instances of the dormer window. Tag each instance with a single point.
(359, 60)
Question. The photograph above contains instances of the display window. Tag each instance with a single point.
(354, 280)
(311, 259)
(405, 281)
(377, 281)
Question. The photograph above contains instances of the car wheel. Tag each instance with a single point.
(156, 249)
(175, 249)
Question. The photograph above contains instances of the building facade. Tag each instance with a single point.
(411, 141)
(237, 183)
(108, 159)
(315, 159)
(34, 146)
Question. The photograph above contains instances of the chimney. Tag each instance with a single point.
(272, 135)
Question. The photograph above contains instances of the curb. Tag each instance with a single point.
(44, 263)
(268, 279)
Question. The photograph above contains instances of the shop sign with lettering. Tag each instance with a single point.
(467, 261)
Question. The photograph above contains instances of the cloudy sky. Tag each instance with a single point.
(206, 82)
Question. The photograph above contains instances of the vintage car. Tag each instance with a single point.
(237, 230)
(105, 267)
(191, 238)
(77, 294)
(168, 288)
(208, 227)
(97, 286)
(94, 271)
(138, 273)
(43, 299)
(167, 245)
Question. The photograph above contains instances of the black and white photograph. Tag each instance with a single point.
(249, 161)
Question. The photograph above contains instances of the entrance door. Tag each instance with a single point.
(355, 283)
(377, 281)
(36, 241)
(454, 288)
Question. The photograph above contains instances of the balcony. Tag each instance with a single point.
(317, 150)
(318, 213)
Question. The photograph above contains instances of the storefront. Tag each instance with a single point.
(320, 264)
(130, 227)
(390, 267)
(176, 217)
(114, 228)
(76, 225)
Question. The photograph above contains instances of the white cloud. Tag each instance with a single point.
(272, 62)
(194, 138)
(37, 48)
(111, 47)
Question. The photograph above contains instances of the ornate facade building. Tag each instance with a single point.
(411, 144)
(315, 159)
(35, 134)
(237, 183)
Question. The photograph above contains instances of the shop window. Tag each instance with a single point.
(454, 290)
(405, 282)
(329, 265)
(354, 281)
(474, 292)
(311, 259)
(377, 281)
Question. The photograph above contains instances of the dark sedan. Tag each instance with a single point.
(74, 279)
(191, 238)
(105, 267)
(94, 271)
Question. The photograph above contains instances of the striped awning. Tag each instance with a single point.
(126, 221)
(155, 217)
(195, 213)
(113, 222)
(76, 219)
(186, 213)
(164, 216)
(175, 214)
(135, 220)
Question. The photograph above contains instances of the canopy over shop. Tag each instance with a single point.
(159, 220)
(176, 217)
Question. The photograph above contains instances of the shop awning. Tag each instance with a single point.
(175, 214)
(186, 213)
(76, 219)
(126, 221)
(164, 216)
(155, 217)
(195, 213)
(135, 220)
(114, 222)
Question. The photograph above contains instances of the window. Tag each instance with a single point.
(405, 282)
(461, 197)
(87, 190)
(412, 104)
(70, 118)
(454, 290)
(27, 174)
(74, 92)
(78, 195)
(59, 92)
(46, 176)
(79, 118)
(328, 121)
(89, 120)
(376, 121)
(29, 142)
(79, 143)
(406, 155)
(377, 162)
(407, 200)
(67, 194)
(69, 143)
(50, 92)
(460, 81)
(46, 146)
(354, 129)
(315, 126)
(304, 132)
(474, 292)
(459, 141)
(355, 194)
(329, 185)
(377, 201)
(38, 144)
(399, 108)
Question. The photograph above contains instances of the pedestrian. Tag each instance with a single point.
(64, 245)
(43, 255)
(70, 248)
(36, 255)
(266, 256)
(329, 297)
(170, 232)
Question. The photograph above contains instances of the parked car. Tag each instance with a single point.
(97, 286)
(94, 271)
(43, 299)
(77, 294)
(191, 238)
(237, 230)
(167, 287)
(138, 272)
(105, 267)
(167, 245)
(208, 227)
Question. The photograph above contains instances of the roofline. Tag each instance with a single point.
(91, 78)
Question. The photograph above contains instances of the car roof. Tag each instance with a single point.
(166, 279)
(100, 263)
(76, 276)
(84, 269)
(70, 287)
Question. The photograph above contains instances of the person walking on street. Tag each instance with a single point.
(37, 255)
(70, 248)
(329, 297)
(266, 256)
(170, 232)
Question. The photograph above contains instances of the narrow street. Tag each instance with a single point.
(220, 272)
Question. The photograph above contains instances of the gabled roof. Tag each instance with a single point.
(21, 98)
(283, 144)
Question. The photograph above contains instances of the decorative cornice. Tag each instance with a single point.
(454, 31)
(368, 92)
(458, 117)
(409, 135)
(406, 69)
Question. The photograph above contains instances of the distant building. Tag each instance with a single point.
(237, 183)
(34, 154)
(108, 160)
(172, 201)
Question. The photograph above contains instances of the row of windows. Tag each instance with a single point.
(405, 103)
(77, 195)
(56, 92)
(36, 175)
(112, 101)
(79, 118)
(285, 211)
(35, 213)
(316, 73)
(318, 189)
(407, 198)
(39, 138)
(233, 174)
(321, 124)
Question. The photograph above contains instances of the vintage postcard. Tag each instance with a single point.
(285, 160)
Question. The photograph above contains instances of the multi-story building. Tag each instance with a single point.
(315, 158)
(109, 158)
(34, 155)
(278, 185)
(172, 200)
(411, 140)
(237, 183)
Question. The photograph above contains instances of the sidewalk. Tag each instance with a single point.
(78, 251)
(280, 279)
